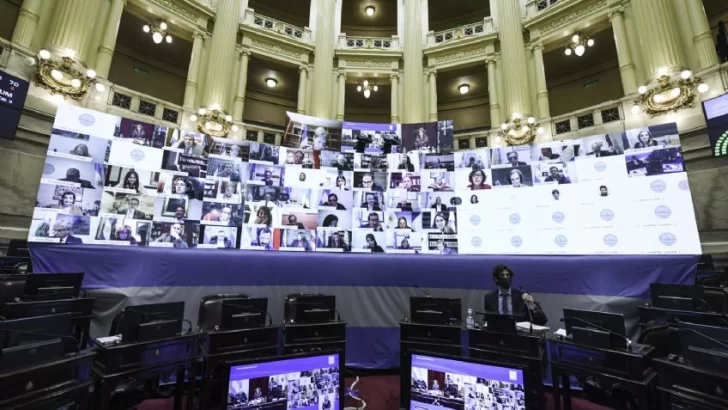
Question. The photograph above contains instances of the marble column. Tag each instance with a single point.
(302, 87)
(28, 18)
(341, 96)
(495, 117)
(657, 31)
(502, 97)
(702, 36)
(323, 69)
(635, 48)
(513, 55)
(414, 110)
(108, 41)
(624, 55)
(394, 117)
(542, 91)
(432, 81)
(97, 34)
(222, 52)
(239, 103)
(193, 70)
(71, 27)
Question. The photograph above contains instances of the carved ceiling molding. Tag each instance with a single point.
(274, 49)
(458, 57)
(578, 11)
(184, 9)
(370, 64)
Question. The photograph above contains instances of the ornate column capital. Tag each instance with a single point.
(618, 10)
(303, 67)
(537, 46)
(244, 51)
(432, 72)
(394, 76)
(199, 33)
(340, 74)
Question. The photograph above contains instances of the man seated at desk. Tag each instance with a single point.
(508, 301)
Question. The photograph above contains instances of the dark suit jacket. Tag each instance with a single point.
(492, 304)
(137, 213)
(73, 239)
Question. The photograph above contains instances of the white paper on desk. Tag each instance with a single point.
(109, 339)
(527, 327)
(560, 332)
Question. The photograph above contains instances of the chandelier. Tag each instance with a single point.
(213, 121)
(63, 75)
(159, 32)
(367, 87)
(578, 45)
(669, 94)
(519, 132)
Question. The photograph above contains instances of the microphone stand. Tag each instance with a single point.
(530, 314)
(594, 325)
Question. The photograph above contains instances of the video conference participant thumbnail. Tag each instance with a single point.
(655, 162)
(563, 151)
(182, 163)
(408, 162)
(80, 147)
(371, 138)
(180, 186)
(370, 162)
(222, 214)
(408, 181)
(444, 162)
(303, 131)
(333, 240)
(437, 181)
(514, 177)
(64, 171)
(470, 179)
(296, 158)
(229, 149)
(225, 169)
(129, 180)
(137, 132)
(69, 200)
(302, 219)
(218, 237)
(368, 241)
(510, 157)
(127, 206)
(403, 241)
(370, 201)
(403, 201)
(334, 219)
(370, 181)
(172, 209)
(340, 180)
(332, 199)
(554, 173)
(420, 137)
(474, 159)
(340, 161)
(223, 191)
(175, 234)
(440, 221)
(84, 121)
(404, 221)
(263, 153)
(302, 240)
(368, 220)
(259, 237)
(120, 231)
(189, 143)
(267, 175)
(129, 154)
(68, 229)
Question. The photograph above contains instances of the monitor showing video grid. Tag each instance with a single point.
(368, 188)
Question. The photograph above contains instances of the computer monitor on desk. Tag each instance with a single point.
(305, 308)
(679, 297)
(440, 382)
(704, 346)
(597, 329)
(243, 313)
(26, 341)
(435, 311)
(310, 381)
(51, 286)
(143, 323)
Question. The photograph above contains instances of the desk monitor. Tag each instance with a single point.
(439, 382)
(142, 323)
(495, 322)
(311, 381)
(309, 309)
(18, 248)
(679, 297)
(704, 346)
(435, 311)
(18, 332)
(243, 313)
(599, 329)
(50, 286)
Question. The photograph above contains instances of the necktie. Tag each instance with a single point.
(504, 304)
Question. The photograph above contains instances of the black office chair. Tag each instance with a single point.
(11, 287)
(209, 316)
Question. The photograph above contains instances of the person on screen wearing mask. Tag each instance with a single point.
(509, 301)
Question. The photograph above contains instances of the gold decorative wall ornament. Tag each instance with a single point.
(213, 121)
(670, 94)
(63, 75)
(518, 131)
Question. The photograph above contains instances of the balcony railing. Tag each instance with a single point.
(377, 43)
(268, 23)
(587, 119)
(480, 28)
(536, 6)
(123, 99)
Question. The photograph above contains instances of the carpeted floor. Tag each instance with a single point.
(380, 393)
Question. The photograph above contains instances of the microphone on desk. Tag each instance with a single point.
(530, 315)
(423, 291)
(611, 332)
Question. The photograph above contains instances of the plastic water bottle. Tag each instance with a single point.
(470, 321)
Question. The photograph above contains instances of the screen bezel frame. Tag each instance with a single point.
(707, 122)
(342, 366)
(408, 376)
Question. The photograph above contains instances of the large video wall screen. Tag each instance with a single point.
(354, 187)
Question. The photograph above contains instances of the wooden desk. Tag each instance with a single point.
(615, 370)
(81, 308)
(650, 313)
(522, 349)
(42, 386)
(683, 386)
(218, 347)
(316, 336)
(422, 337)
(117, 363)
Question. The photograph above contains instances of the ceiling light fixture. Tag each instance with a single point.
(578, 45)
(370, 10)
(271, 82)
(367, 87)
(464, 88)
(159, 32)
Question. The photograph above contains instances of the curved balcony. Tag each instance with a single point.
(481, 28)
(265, 23)
(368, 43)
